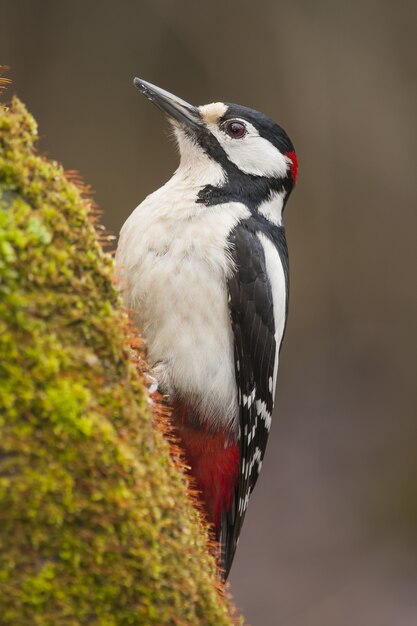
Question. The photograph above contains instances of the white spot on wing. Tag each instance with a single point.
(263, 413)
(256, 458)
(276, 276)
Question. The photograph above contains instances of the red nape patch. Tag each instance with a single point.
(214, 465)
(294, 165)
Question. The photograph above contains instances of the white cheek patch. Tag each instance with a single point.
(253, 154)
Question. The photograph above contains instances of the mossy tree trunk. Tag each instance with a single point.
(95, 523)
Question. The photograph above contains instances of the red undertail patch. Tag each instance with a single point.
(214, 463)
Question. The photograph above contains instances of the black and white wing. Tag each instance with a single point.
(258, 301)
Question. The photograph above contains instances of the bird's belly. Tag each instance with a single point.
(185, 319)
(174, 264)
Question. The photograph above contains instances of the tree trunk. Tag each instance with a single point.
(96, 526)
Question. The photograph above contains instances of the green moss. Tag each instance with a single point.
(96, 526)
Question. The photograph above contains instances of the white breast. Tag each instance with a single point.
(173, 264)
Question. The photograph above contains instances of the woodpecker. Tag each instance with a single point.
(203, 263)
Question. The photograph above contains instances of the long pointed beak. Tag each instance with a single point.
(173, 106)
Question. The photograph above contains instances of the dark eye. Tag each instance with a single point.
(235, 129)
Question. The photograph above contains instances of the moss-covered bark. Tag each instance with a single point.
(95, 523)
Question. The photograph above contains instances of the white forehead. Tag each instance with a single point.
(252, 153)
(211, 113)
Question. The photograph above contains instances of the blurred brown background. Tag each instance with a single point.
(331, 533)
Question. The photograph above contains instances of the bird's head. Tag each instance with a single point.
(256, 156)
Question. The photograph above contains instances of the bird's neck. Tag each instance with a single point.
(272, 208)
(196, 170)
(212, 183)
